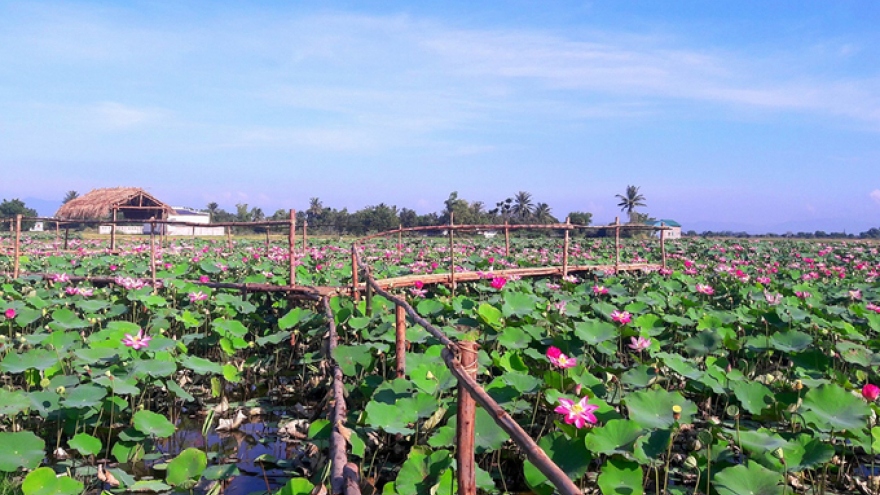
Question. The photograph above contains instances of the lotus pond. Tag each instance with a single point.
(742, 368)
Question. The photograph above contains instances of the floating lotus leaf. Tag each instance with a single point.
(296, 486)
(791, 341)
(594, 332)
(87, 395)
(754, 396)
(352, 359)
(12, 403)
(38, 359)
(201, 366)
(151, 423)
(185, 469)
(518, 304)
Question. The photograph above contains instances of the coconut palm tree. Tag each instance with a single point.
(315, 209)
(630, 201)
(212, 209)
(542, 213)
(70, 196)
(522, 205)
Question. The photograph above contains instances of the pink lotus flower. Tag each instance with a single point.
(204, 279)
(59, 277)
(870, 392)
(197, 296)
(557, 358)
(498, 282)
(772, 298)
(622, 317)
(579, 414)
(113, 268)
(600, 290)
(137, 342)
(416, 292)
(705, 289)
(10, 313)
(419, 284)
(639, 344)
(855, 294)
(802, 294)
(873, 307)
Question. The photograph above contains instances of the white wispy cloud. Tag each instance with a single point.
(875, 195)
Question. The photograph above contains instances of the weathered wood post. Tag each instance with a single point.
(152, 251)
(506, 239)
(66, 235)
(399, 241)
(368, 292)
(616, 244)
(452, 253)
(400, 341)
(113, 231)
(565, 244)
(57, 235)
(228, 237)
(354, 274)
(291, 246)
(267, 241)
(465, 423)
(16, 248)
(305, 236)
(663, 243)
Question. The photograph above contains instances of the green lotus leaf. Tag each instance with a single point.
(20, 450)
(296, 486)
(293, 318)
(831, 407)
(43, 481)
(186, 468)
(38, 359)
(653, 408)
(87, 395)
(518, 304)
(620, 477)
(67, 320)
(760, 441)
(201, 366)
(615, 437)
(157, 368)
(571, 455)
(754, 396)
(751, 479)
(791, 341)
(85, 444)
(594, 332)
(12, 403)
(154, 486)
(221, 472)
(703, 343)
(151, 423)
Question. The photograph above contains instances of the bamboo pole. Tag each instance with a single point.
(354, 273)
(506, 239)
(616, 244)
(452, 253)
(400, 241)
(338, 459)
(400, 341)
(267, 242)
(368, 291)
(466, 422)
(663, 243)
(291, 247)
(228, 238)
(16, 248)
(66, 235)
(305, 236)
(565, 245)
(113, 231)
(152, 252)
(57, 235)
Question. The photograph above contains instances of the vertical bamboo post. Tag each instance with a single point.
(616, 244)
(506, 239)
(565, 245)
(16, 248)
(267, 242)
(354, 274)
(452, 253)
(228, 238)
(66, 235)
(400, 352)
(113, 231)
(663, 243)
(291, 246)
(152, 251)
(368, 292)
(57, 235)
(305, 236)
(399, 241)
(465, 423)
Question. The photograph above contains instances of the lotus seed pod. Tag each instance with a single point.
(691, 462)
(45, 382)
(676, 412)
(768, 378)
(60, 390)
(779, 454)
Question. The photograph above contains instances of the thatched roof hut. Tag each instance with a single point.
(134, 203)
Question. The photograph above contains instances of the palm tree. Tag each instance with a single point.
(315, 209)
(542, 213)
(522, 205)
(69, 196)
(630, 201)
(212, 209)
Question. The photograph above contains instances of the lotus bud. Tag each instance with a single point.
(691, 462)
(45, 311)
(251, 345)
(676, 412)
(60, 390)
(798, 385)
(779, 454)
(45, 382)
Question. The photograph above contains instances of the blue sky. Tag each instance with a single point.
(748, 115)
